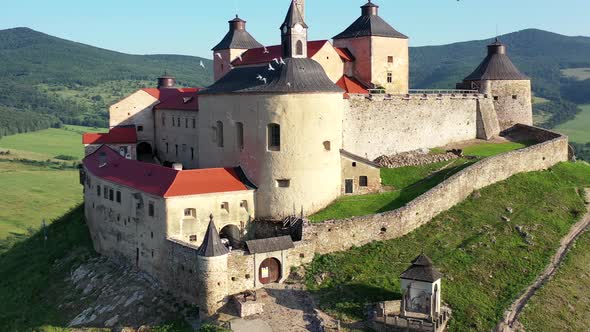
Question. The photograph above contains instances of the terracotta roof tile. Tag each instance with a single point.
(185, 99)
(116, 135)
(257, 55)
(351, 85)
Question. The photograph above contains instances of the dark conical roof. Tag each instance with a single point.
(293, 17)
(212, 246)
(496, 66)
(297, 75)
(237, 37)
(422, 269)
(370, 24)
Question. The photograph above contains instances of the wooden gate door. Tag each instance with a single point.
(270, 271)
(348, 184)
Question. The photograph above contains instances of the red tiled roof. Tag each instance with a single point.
(344, 54)
(161, 181)
(116, 135)
(351, 85)
(185, 99)
(256, 55)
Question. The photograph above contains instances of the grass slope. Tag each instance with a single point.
(32, 193)
(578, 129)
(563, 304)
(49, 143)
(485, 260)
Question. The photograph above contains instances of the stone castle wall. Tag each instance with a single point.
(383, 126)
(340, 235)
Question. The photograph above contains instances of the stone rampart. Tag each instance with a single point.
(386, 125)
(340, 235)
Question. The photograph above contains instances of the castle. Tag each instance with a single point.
(184, 173)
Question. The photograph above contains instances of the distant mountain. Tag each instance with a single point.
(539, 54)
(76, 82)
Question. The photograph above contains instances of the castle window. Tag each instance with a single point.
(354, 164)
(389, 77)
(192, 238)
(152, 253)
(299, 48)
(192, 153)
(167, 148)
(98, 190)
(118, 196)
(190, 213)
(327, 145)
(244, 205)
(184, 148)
(111, 195)
(363, 181)
(194, 123)
(225, 206)
(163, 121)
(151, 209)
(284, 183)
(219, 134)
(106, 193)
(496, 98)
(390, 59)
(514, 97)
(139, 128)
(240, 135)
(179, 122)
(186, 122)
(173, 124)
(176, 148)
(274, 137)
(152, 235)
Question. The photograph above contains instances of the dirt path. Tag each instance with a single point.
(510, 322)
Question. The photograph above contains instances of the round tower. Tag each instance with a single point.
(234, 43)
(499, 79)
(212, 264)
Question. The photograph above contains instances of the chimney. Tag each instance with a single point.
(301, 8)
(102, 160)
(166, 82)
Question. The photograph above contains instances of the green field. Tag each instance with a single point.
(578, 129)
(408, 183)
(486, 260)
(577, 73)
(563, 304)
(49, 143)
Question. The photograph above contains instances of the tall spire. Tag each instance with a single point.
(294, 33)
(212, 246)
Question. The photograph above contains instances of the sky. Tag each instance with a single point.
(193, 27)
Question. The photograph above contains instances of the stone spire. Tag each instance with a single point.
(294, 33)
(212, 246)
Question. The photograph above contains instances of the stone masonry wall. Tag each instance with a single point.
(382, 126)
(340, 235)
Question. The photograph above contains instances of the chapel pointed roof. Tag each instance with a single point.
(422, 269)
(212, 246)
(293, 16)
(496, 66)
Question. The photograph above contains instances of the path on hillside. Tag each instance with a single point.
(510, 321)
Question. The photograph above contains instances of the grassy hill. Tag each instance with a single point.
(76, 82)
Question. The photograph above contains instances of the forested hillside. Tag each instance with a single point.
(74, 83)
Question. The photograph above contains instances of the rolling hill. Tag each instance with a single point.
(75, 83)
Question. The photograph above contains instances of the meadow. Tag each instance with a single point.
(577, 129)
(486, 261)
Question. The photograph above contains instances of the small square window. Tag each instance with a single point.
(327, 145)
(514, 97)
(139, 128)
(192, 238)
(363, 181)
(389, 59)
(283, 183)
(244, 205)
(496, 98)
(354, 164)
(225, 206)
(190, 213)
(389, 77)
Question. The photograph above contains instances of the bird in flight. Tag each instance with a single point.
(202, 64)
(218, 55)
(282, 61)
(265, 50)
(270, 67)
(276, 60)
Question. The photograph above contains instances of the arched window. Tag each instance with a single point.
(274, 137)
(220, 134)
(299, 47)
(240, 135)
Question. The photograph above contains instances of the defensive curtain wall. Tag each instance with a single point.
(385, 125)
(338, 235)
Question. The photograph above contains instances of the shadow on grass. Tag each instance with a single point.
(413, 191)
(32, 271)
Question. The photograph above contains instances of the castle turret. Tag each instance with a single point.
(212, 263)
(499, 78)
(294, 33)
(235, 42)
(381, 52)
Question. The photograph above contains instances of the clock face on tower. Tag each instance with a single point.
(298, 28)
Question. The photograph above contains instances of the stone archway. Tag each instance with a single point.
(232, 234)
(269, 271)
(144, 151)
